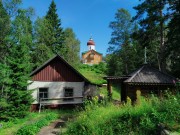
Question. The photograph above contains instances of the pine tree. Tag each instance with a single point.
(121, 28)
(173, 47)
(56, 35)
(152, 20)
(122, 51)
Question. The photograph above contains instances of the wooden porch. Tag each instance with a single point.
(60, 101)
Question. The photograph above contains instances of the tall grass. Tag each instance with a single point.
(115, 92)
(140, 119)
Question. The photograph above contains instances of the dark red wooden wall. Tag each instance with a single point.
(57, 70)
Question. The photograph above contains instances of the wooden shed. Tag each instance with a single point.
(147, 79)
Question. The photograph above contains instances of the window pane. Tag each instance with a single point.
(43, 89)
(40, 95)
(68, 92)
(43, 93)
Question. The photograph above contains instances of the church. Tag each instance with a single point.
(91, 56)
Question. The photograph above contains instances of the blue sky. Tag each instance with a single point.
(85, 17)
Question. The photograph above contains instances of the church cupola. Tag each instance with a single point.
(91, 44)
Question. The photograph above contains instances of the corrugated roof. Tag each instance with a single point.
(148, 74)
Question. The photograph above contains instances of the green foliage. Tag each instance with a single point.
(115, 92)
(12, 6)
(56, 34)
(5, 31)
(114, 65)
(94, 73)
(73, 47)
(41, 51)
(173, 49)
(97, 68)
(121, 28)
(51, 39)
(141, 119)
(124, 52)
(159, 32)
(16, 70)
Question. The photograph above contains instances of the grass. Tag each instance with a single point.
(115, 92)
(34, 127)
(93, 77)
(11, 127)
(93, 73)
(32, 123)
(140, 119)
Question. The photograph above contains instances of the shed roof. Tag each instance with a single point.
(149, 75)
(116, 77)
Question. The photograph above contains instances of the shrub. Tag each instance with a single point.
(140, 119)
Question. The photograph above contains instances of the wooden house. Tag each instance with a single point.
(56, 83)
(91, 56)
(145, 79)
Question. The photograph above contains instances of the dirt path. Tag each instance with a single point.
(54, 127)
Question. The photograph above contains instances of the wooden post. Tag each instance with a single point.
(109, 89)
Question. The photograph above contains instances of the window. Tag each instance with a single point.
(68, 92)
(43, 93)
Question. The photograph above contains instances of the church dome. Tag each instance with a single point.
(90, 42)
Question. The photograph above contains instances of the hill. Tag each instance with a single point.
(94, 73)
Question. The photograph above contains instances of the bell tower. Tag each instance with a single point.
(91, 44)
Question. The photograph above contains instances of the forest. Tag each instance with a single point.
(156, 27)
(25, 44)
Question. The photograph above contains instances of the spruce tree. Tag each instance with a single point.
(17, 97)
(41, 51)
(56, 35)
(4, 70)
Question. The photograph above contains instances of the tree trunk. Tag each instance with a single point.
(161, 56)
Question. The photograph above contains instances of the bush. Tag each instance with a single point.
(140, 119)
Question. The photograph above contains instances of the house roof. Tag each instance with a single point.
(65, 62)
(149, 75)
